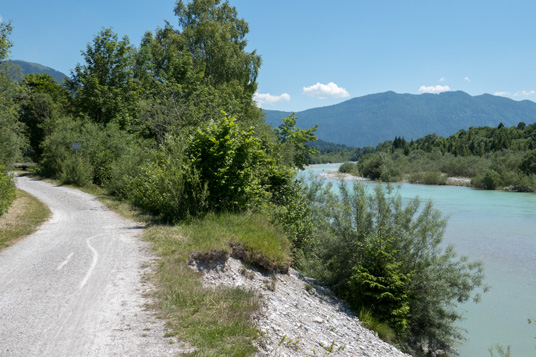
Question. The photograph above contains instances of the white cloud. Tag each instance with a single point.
(467, 79)
(502, 94)
(434, 89)
(524, 93)
(324, 91)
(266, 98)
(442, 79)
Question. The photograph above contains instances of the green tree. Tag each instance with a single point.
(294, 140)
(12, 140)
(104, 88)
(528, 164)
(215, 37)
(230, 161)
(7, 190)
(42, 101)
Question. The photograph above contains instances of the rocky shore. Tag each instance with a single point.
(297, 317)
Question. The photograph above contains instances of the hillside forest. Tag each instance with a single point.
(170, 126)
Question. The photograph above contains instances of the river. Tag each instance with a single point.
(500, 229)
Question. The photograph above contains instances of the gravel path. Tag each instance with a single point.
(76, 287)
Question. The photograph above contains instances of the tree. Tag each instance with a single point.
(42, 101)
(294, 141)
(104, 88)
(11, 132)
(215, 37)
(528, 164)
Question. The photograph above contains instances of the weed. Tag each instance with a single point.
(247, 273)
(270, 284)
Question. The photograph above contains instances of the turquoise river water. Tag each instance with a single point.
(500, 229)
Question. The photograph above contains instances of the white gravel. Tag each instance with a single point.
(296, 321)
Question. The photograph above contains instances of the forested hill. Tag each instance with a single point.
(30, 68)
(371, 119)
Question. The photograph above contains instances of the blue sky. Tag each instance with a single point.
(317, 53)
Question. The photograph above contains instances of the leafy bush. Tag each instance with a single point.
(231, 164)
(348, 168)
(389, 258)
(102, 148)
(77, 171)
(428, 178)
(7, 191)
(489, 181)
(168, 186)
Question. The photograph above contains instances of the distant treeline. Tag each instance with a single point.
(494, 158)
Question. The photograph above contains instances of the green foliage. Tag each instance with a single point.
(5, 43)
(293, 212)
(104, 88)
(215, 37)
(349, 168)
(384, 331)
(528, 164)
(77, 171)
(7, 190)
(294, 141)
(385, 256)
(102, 149)
(379, 282)
(493, 157)
(489, 181)
(42, 102)
(428, 178)
(12, 141)
(168, 186)
(231, 162)
(379, 166)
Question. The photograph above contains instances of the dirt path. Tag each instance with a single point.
(75, 287)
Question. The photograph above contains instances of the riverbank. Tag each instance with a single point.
(335, 174)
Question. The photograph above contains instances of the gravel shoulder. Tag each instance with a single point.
(76, 287)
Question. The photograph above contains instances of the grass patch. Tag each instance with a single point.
(24, 216)
(383, 330)
(216, 321)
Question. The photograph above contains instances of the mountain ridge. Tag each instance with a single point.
(373, 118)
(31, 68)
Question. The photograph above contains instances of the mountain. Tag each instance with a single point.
(30, 68)
(371, 119)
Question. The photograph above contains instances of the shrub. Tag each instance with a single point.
(428, 178)
(7, 191)
(102, 148)
(386, 257)
(77, 171)
(490, 181)
(230, 162)
(168, 186)
(348, 168)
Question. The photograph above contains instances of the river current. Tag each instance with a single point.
(498, 228)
